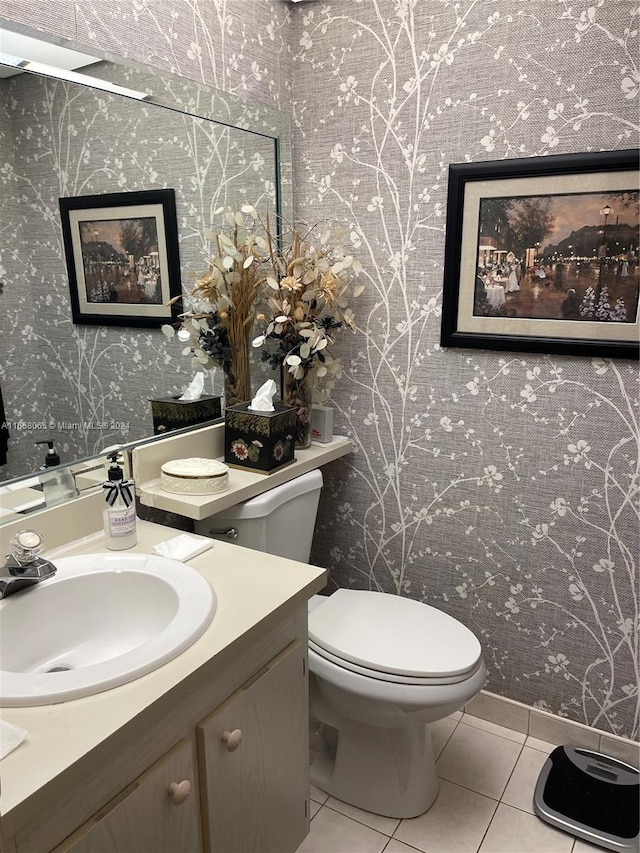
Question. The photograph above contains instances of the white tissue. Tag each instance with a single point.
(262, 402)
(183, 547)
(194, 391)
(10, 737)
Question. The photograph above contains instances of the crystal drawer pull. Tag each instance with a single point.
(180, 791)
(232, 739)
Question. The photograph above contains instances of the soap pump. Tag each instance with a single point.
(119, 516)
(52, 458)
(57, 485)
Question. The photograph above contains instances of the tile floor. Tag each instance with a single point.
(487, 777)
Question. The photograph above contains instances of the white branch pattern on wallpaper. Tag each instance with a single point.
(481, 483)
(504, 489)
(235, 45)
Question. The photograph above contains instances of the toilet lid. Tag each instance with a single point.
(389, 634)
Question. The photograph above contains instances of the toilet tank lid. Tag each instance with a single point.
(390, 634)
(265, 503)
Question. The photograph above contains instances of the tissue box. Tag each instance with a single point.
(321, 423)
(170, 413)
(260, 441)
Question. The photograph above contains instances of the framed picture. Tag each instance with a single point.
(542, 255)
(122, 257)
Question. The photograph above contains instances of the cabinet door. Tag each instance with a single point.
(158, 813)
(254, 762)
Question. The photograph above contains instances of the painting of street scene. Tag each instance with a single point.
(120, 261)
(561, 257)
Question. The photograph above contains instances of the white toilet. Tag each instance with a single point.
(381, 667)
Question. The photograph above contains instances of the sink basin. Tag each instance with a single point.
(103, 620)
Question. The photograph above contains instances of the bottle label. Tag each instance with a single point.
(122, 522)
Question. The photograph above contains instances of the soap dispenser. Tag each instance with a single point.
(119, 516)
(58, 485)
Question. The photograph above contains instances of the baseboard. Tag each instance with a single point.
(550, 728)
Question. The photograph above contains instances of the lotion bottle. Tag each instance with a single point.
(119, 515)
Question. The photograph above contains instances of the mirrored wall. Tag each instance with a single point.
(87, 387)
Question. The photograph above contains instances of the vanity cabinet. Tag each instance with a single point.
(255, 762)
(223, 769)
(158, 813)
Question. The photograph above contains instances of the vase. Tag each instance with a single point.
(297, 393)
(237, 375)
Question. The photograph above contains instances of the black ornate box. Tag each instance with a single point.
(170, 413)
(260, 441)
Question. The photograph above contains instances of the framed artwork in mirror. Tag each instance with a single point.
(122, 257)
(542, 255)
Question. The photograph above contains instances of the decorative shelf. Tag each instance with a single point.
(242, 484)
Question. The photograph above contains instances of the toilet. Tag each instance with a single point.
(382, 667)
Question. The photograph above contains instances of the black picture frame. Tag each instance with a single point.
(122, 257)
(511, 194)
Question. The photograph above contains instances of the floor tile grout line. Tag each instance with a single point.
(506, 783)
(498, 725)
(513, 770)
(410, 846)
(484, 835)
(496, 734)
(447, 739)
(472, 790)
(362, 823)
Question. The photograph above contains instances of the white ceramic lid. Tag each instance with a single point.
(195, 467)
(390, 634)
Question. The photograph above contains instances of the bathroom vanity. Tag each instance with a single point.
(208, 752)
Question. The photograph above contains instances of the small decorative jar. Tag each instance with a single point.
(195, 476)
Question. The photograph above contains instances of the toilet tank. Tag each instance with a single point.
(280, 521)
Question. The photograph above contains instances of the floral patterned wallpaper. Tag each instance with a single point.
(501, 488)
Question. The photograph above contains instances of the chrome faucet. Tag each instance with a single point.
(23, 567)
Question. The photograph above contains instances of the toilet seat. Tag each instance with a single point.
(424, 681)
(394, 639)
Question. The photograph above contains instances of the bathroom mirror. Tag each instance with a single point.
(87, 387)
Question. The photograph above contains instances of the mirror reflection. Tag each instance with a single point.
(87, 387)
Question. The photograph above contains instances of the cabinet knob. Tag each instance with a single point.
(180, 791)
(232, 739)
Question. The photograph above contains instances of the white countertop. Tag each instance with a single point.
(250, 587)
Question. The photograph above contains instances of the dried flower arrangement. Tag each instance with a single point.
(308, 301)
(300, 288)
(221, 307)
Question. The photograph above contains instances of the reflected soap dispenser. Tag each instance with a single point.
(58, 485)
(119, 516)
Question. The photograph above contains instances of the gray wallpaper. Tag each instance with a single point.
(502, 488)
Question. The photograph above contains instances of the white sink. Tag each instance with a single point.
(103, 620)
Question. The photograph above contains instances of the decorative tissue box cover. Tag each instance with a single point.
(261, 441)
(170, 413)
